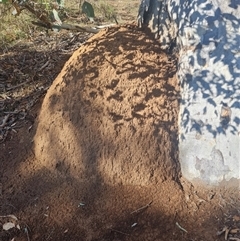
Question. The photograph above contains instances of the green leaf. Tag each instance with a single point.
(3, 1)
(87, 8)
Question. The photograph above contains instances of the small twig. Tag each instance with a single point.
(144, 207)
(45, 65)
(16, 86)
(5, 119)
(115, 19)
(26, 231)
(226, 233)
(183, 229)
(1, 188)
(10, 205)
(117, 231)
(105, 26)
(49, 236)
(222, 231)
(11, 112)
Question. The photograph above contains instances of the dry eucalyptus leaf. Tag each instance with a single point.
(7, 226)
(235, 230)
(236, 218)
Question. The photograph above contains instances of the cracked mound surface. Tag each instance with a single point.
(111, 114)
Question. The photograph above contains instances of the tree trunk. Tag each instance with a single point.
(207, 34)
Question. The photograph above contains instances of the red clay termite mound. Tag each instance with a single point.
(111, 114)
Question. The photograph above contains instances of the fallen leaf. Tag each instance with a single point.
(7, 226)
(234, 230)
(236, 218)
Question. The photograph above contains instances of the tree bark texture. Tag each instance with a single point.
(207, 35)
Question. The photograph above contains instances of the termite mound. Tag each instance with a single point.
(111, 114)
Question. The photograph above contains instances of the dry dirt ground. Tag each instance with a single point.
(96, 159)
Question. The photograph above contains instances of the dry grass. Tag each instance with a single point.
(17, 28)
(12, 28)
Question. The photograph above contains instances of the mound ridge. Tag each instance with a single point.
(111, 114)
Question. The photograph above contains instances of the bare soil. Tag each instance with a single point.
(97, 159)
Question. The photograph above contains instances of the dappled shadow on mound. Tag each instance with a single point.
(111, 115)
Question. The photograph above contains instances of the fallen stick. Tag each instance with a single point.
(117, 231)
(67, 27)
(26, 231)
(141, 208)
(105, 26)
(183, 229)
(4, 121)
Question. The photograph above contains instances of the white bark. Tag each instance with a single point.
(207, 33)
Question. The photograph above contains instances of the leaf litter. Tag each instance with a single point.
(27, 70)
